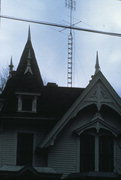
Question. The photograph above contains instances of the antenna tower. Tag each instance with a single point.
(0, 11)
(71, 5)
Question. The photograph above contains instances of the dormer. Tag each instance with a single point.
(27, 102)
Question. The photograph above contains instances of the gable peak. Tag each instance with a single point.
(97, 66)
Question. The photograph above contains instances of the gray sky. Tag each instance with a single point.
(50, 45)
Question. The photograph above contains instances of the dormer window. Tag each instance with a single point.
(27, 102)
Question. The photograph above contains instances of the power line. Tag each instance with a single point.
(61, 26)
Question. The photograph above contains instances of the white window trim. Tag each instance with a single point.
(19, 103)
(34, 103)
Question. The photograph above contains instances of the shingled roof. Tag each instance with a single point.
(52, 101)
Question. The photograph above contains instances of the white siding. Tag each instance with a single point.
(64, 155)
(7, 148)
(8, 145)
(117, 157)
(38, 159)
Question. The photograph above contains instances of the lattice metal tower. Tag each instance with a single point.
(0, 11)
(71, 5)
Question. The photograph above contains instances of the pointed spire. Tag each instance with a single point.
(28, 65)
(29, 34)
(97, 66)
(11, 67)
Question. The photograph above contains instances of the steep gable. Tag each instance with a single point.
(98, 92)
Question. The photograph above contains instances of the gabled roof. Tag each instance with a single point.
(53, 102)
(98, 92)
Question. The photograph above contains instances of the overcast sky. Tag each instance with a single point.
(50, 44)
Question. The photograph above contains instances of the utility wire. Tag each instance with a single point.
(61, 26)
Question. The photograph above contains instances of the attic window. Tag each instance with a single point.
(27, 102)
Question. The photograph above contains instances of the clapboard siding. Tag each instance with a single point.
(115, 120)
(38, 137)
(8, 145)
(8, 148)
(118, 156)
(64, 155)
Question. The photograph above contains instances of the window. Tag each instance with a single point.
(87, 153)
(27, 102)
(24, 149)
(96, 152)
(106, 153)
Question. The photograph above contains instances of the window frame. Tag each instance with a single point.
(97, 136)
(21, 95)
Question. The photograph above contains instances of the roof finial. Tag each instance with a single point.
(29, 34)
(97, 66)
(11, 67)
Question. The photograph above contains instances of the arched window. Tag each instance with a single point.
(96, 151)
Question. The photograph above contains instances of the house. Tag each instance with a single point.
(52, 132)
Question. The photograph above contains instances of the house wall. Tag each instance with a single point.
(8, 144)
(7, 148)
(64, 155)
(117, 156)
(115, 120)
